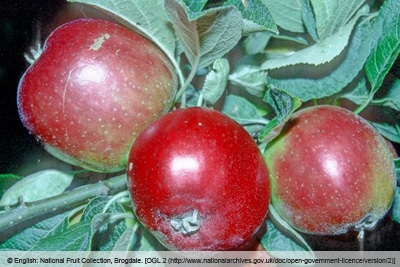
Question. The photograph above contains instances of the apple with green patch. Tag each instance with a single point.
(331, 172)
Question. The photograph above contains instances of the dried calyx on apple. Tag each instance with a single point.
(198, 181)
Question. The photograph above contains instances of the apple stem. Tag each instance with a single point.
(187, 224)
(361, 239)
(200, 100)
(190, 77)
(365, 104)
(36, 49)
(362, 227)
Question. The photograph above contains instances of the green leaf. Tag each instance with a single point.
(333, 82)
(30, 236)
(391, 99)
(387, 47)
(250, 78)
(104, 235)
(108, 238)
(208, 35)
(6, 176)
(125, 240)
(380, 62)
(275, 240)
(330, 16)
(396, 206)
(255, 43)
(397, 166)
(244, 112)
(97, 222)
(281, 236)
(95, 230)
(140, 15)
(94, 207)
(147, 241)
(101, 205)
(247, 75)
(390, 132)
(6, 181)
(37, 186)
(286, 14)
(196, 5)
(359, 94)
(192, 96)
(256, 15)
(284, 105)
(320, 53)
(75, 238)
(216, 80)
(309, 19)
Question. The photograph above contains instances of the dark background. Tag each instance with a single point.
(17, 29)
(18, 21)
(21, 22)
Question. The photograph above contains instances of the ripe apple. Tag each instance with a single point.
(330, 171)
(93, 89)
(198, 181)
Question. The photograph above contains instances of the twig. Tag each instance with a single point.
(27, 214)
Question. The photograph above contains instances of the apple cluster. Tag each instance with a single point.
(99, 96)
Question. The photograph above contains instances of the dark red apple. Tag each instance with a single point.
(94, 88)
(198, 181)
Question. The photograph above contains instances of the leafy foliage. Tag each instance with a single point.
(287, 14)
(322, 52)
(216, 80)
(261, 60)
(284, 105)
(195, 5)
(256, 16)
(387, 46)
(336, 79)
(205, 36)
(245, 113)
(29, 237)
(331, 16)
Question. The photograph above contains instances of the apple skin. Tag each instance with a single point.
(93, 89)
(197, 159)
(330, 171)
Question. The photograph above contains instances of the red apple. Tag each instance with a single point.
(94, 88)
(330, 171)
(198, 181)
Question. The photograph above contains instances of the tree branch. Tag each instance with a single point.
(27, 214)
